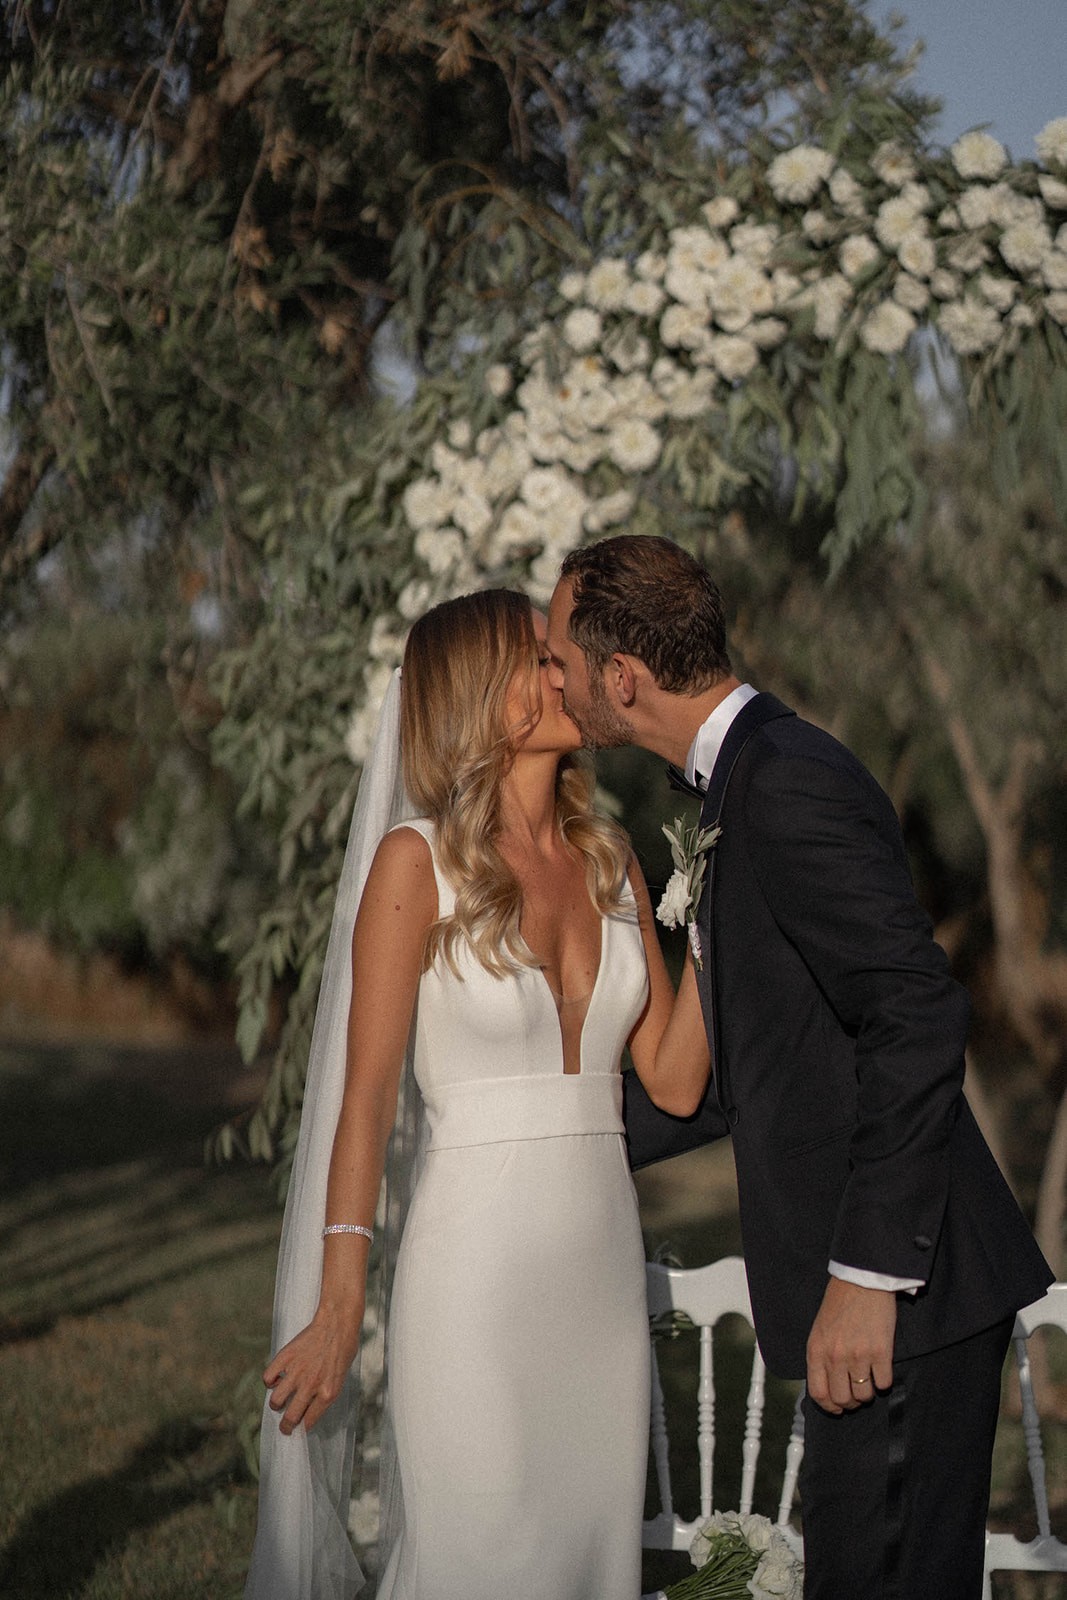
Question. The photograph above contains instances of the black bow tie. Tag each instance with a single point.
(678, 780)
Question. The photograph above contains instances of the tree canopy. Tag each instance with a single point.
(689, 267)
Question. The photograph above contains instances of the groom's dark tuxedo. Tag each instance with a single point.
(837, 1039)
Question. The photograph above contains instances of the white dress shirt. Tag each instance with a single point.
(699, 764)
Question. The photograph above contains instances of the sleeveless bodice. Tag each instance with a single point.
(489, 1051)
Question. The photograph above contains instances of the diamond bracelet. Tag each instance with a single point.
(348, 1227)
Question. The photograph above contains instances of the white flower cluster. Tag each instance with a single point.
(642, 346)
(779, 1573)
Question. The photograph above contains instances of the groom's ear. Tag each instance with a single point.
(621, 673)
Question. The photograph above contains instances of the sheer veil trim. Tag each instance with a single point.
(302, 1550)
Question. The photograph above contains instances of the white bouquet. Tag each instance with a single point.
(738, 1556)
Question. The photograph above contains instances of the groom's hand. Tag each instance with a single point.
(850, 1347)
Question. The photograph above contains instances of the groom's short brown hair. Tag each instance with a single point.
(642, 596)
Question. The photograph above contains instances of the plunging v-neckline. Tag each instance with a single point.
(548, 989)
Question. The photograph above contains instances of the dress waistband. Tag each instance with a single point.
(545, 1106)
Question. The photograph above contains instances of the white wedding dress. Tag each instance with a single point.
(518, 1336)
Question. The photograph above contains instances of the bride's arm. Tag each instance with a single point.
(669, 1044)
(399, 903)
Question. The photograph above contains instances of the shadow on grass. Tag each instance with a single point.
(103, 1188)
(60, 1544)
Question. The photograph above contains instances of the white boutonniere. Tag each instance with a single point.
(689, 848)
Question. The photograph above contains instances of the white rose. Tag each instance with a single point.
(386, 644)
(918, 196)
(472, 513)
(644, 298)
(1054, 269)
(1000, 292)
(739, 291)
(498, 380)
(1010, 208)
(415, 598)
(945, 284)
(697, 247)
(887, 329)
(459, 434)
(543, 487)
(1022, 316)
(444, 460)
(795, 175)
(830, 296)
(1025, 245)
(948, 220)
(606, 284)
(581, 454)
(546, 444)
(846, 193)
(970, 325)
(609, 511)
(650, 265)
(572, 285)
(506, 468)
(1051, 143)
(720, 212)
(911, 293)
(978, 155)
(426, 504)
(440, 548)
(634, 445)
(1053, 192)
(535, 343)
(682, 325)
(967, 255)
(688, 284)
(817, 226)
(755, 240)
(1056, 306)
(785, 285)
(916, 253)
(671, 912)
(857, 254)
(582, 328)
(767, 332)
(517, 530)
(734, 357)
(975, 206)
(895, 220)
(893, 163)
(692, 396)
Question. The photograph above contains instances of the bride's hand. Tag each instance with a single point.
(307, 1375)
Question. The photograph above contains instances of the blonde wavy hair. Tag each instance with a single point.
(457, 742)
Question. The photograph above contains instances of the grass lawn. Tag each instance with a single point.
(135, 1292)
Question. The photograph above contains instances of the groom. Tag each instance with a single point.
(885, 1255)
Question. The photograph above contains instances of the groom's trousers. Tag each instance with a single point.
(894, 1496)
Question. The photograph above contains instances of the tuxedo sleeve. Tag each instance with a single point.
(652, 1135)
(826, 849)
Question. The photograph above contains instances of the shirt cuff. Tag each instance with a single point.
(874, 1280)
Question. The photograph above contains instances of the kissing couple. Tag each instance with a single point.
(493, 953)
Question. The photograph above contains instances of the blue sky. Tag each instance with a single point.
(998, 61)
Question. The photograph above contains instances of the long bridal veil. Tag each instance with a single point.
(302, 1550)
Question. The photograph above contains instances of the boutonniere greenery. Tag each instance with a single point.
(689, 848)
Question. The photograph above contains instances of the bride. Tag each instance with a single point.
(512, 924)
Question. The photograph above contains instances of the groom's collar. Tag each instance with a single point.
(700, 762)
(756, 710)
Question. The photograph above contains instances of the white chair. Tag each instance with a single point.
(1043, 1553)
(705, 1295)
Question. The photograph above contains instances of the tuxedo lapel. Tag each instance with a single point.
(752, 716)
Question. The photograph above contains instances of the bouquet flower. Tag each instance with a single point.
(737, 1557)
